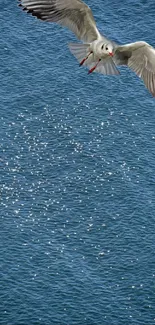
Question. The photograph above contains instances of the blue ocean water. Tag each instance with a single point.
(77, 158)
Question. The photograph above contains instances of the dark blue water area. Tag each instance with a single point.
(77, 176)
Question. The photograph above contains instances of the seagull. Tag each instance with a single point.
(96, 52)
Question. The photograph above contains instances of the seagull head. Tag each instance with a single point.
(107, 49)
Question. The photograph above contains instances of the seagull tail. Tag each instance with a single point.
(81, 52)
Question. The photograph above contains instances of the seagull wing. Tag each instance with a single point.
(74, 14)
(140, 57)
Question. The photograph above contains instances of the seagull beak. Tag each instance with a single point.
(111, 53)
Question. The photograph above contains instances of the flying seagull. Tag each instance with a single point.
(96, 52)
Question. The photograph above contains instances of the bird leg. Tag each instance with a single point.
(92, 69)
(82, 62)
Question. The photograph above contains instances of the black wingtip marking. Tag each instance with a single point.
(40, 15)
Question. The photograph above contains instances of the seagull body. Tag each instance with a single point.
(97, 52)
